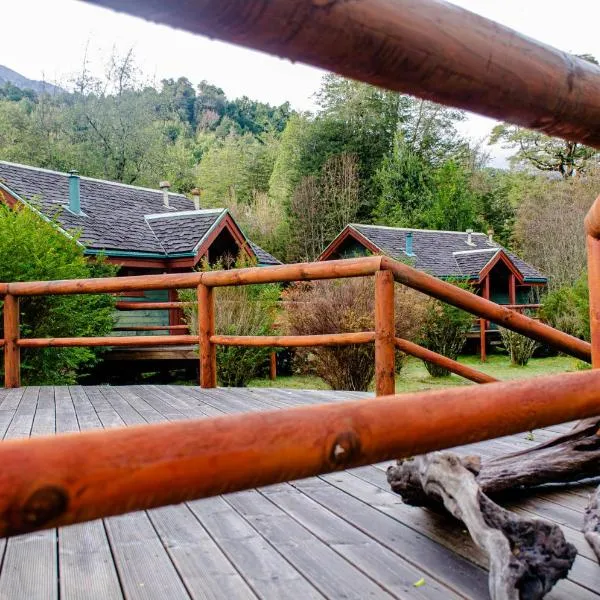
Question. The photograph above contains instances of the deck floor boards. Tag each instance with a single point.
(341, 535)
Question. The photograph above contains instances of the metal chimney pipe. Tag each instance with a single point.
(164, 186)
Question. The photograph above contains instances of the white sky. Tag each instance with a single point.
(47, 40)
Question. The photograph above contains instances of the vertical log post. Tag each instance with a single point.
(385, 363)
(593, 256)
(12, 352)
(273, 366)
(512, 289)
(206, 329)
(483, 323)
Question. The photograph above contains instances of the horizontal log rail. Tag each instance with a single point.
(295, 341)
(120, 340)
(53, 481)
(443, 361)
(427, 48)
(488, 310)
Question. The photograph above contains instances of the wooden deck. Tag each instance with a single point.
(343, 535)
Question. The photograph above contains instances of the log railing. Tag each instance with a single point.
(428, 48)
(385, 272)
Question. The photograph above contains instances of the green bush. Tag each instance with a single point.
(520, 348)
(32, 249)
(444, 331)
(239, 310)
(568, 308)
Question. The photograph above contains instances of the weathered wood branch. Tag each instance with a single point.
(527, 556)
(435, 481)
(591, 523)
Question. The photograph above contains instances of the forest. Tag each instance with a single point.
(294, 180)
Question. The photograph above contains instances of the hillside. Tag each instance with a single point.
(10, 76)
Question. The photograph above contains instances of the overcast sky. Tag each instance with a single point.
(47, 40)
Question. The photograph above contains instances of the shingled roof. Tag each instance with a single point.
(441, 253)
(116, 218)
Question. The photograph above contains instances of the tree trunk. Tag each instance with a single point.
(527, 556)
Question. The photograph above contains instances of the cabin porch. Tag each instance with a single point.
(341, 535)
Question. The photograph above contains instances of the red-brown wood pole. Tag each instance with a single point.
(58, 480)
(206, 329)
(273, 366)
(295, 341)
(331, 269)
(486, 309)
(106, 285)
(12, 353)
(428, 48)
(443, 361)
(593, 259)
(385, 356)
(512, 289)
(120, 340)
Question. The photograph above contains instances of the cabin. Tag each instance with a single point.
(143, 230)
(494, 272)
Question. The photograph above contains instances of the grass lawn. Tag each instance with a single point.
(414, 377)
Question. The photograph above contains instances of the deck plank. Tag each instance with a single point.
(30, 565)
(86, 562)
(341, 535)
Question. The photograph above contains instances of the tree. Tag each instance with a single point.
(322, 206)
(234, 168)
(32, 249)
(549, 225)
(544, 153)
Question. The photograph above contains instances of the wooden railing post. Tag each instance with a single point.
(12, 352)
(593, 258)
(273, 366)
(385, 363)
(206, 329)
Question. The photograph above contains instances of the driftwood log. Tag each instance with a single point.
(527, 556)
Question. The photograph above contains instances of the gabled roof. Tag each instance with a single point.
(441, 253)
(119, 219)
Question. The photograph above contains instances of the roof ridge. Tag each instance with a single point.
(415, 229)
(494, 248)
(182, 213)
(108, 181)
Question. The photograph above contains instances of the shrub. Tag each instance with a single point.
(32, 249)
(520, 348)
(239, 310)
(345, 306)
(568, 308)
(444, 331)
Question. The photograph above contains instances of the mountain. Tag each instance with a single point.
(18, 80)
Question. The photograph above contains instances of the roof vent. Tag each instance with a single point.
(164, 186)
(470, 237)
(408, 244)
(196, 193)
(491, 236)
(74, 193)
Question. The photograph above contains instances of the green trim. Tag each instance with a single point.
(536, 279)
(136, 254)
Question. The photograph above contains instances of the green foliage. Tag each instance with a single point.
(444, 331)
(236, 167)
(241, 310)
(520, 348)
(31, 250)
(568, 308)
